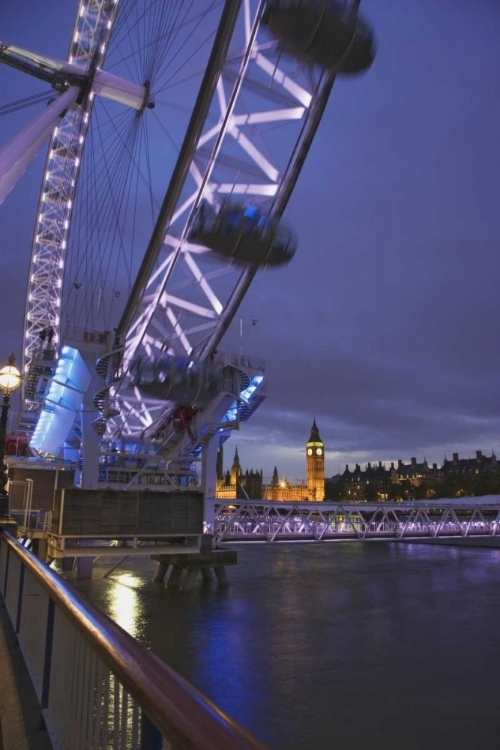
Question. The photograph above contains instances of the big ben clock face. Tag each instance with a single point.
(309, 451)
(319, 452)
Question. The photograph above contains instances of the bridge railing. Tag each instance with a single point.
(32, 520)
(97, 686)
(239, 520)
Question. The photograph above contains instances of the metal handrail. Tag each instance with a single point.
(182, 713)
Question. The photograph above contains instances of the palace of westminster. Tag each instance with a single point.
(417, 480)
(238, 484)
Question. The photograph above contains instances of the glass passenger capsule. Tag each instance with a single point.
(244, 235)
(327, 33)
(178, 379)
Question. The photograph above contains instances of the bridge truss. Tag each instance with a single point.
(258, 521)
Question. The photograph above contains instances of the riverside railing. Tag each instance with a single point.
(97, 686)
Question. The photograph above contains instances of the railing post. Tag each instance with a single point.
(19, 599)
(4, 594)
(151, 737)
(47, 661)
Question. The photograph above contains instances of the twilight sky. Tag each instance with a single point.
(385, 326)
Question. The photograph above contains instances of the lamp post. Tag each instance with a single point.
(10, 379)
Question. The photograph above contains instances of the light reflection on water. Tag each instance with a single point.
(124, 603)
(332, 645)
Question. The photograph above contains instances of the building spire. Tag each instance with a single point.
(236, 471)
(315, 437)
(236, 459)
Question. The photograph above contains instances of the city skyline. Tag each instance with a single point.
(231, 446)
(385, 324)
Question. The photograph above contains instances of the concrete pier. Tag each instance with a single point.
(84, 566)
(190, 579)
(173, 580)
(160, 573)
(67, 564)
(182, 571)
(221, 575)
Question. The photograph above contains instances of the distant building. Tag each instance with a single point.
(236, 484)
(282, 490)
(476, 465)
(357, 485)
(315, 458)
(416, 480)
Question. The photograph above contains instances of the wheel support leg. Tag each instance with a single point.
(18, 152)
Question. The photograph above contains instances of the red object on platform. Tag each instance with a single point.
(15, 445)
(182, 417)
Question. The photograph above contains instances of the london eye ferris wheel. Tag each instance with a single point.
(177, 131)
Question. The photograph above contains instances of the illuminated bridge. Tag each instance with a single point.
(261, 521)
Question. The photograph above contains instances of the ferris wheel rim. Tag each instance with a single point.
(101, 27)
(31, 326)
(312, 107)
(290, 177)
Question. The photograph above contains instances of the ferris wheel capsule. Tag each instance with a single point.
(178, 379)
(244, 235)
(327, 33)
(99, 165)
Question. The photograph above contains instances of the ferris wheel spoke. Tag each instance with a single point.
(106, 196)
(194, 198)
(120, 180)
(27, 101)
(166, 61)
(154, 203)
(170, 81)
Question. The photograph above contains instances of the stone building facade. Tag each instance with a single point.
(416, 480)
(237, 484)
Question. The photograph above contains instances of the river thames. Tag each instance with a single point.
(344, 645)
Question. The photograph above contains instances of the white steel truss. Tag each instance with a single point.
(253, 127)
(43, 304)
(254, 520)
(258, 130)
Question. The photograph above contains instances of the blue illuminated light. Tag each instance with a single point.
(246, 396)
(250, 212)
(62, 402)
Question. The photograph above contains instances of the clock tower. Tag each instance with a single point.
(315, 458)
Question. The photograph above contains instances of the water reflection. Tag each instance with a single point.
(318, 646)
(124, 596)
(125, 605)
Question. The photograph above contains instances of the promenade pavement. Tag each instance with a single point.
(20, 716)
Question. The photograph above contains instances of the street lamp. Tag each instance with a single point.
(10, 379)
